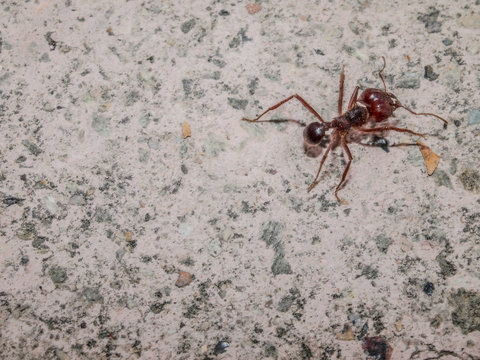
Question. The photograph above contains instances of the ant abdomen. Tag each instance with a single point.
(380, 104)
(313, 135)
(314, 132)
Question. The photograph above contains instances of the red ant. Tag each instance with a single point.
(372, 106)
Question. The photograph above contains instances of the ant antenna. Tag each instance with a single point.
(380, 73)
(414, 113)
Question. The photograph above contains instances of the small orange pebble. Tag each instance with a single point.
(105, 107)
(346, 334)
(184, 278)
(253, 8)
(128, 236)
(431, 159)
(186, 131)
(399, 325)
(43, 5)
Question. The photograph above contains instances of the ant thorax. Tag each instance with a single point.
(357, 116)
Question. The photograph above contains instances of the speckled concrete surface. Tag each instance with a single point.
(103, 202)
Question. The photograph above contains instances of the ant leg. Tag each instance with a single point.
(345, 172)
(296, 96)
(389, 145)
(403, 144)
(315, 182)
(385, 146)
(353, 98)
(340, 92)
(392, 128)
(301, 123)
(381, 71)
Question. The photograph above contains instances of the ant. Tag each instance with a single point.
(372, 106)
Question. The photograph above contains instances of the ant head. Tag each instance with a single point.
(314, 132)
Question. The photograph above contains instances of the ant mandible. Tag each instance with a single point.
(372, 106)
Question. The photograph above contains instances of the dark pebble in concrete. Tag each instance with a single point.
(428, 288)
(239, 104)
(430, 74)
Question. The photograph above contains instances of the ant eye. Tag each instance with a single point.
(314, 133)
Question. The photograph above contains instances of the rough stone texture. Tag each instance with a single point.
(103, 202)
(466, 313)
